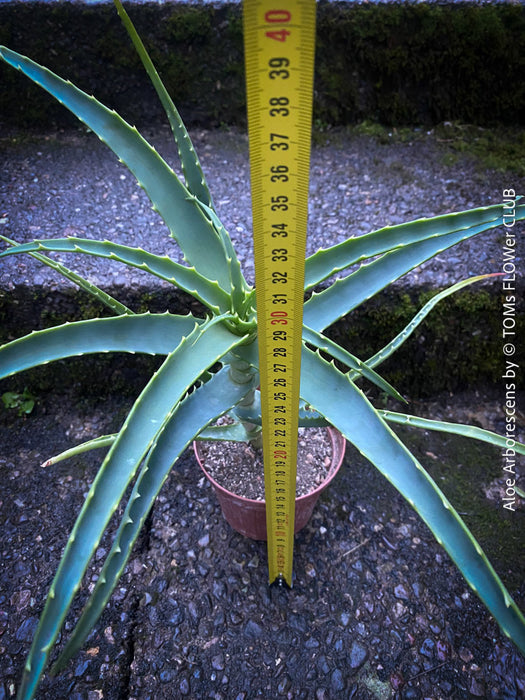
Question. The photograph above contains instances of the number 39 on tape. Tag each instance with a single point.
(279, 42)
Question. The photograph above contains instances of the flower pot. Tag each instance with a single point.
(248, 516)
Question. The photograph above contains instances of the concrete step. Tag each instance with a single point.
(69, 184)
(406, 63)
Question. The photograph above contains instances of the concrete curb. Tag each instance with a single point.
(410, 63)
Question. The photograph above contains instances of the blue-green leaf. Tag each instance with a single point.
(323, 343)
(190, 416)
(103, 441)
(195, 180)
(92, 289)
(347, 409)
(470, 431)
(153, 334)
(232, 432)
(201, 245)
(327, 262)
(323, 309)
(240, 289)
(204, 346)
(400, 338)
(186, 278)
(308, 418)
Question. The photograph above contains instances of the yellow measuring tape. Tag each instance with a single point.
(279, 42)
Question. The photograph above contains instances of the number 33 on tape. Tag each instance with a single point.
(279, 42)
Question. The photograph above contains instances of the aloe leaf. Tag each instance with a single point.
(196, 411)
(204, 346)
(249, 353)
(152, 334)
(400, 338)
(470, 431)
(323, 343)
(233, 432)
(94, 444)
(312, 419)
(201, 246)
(186, 278)
(92, 289)
(323, 309)
(191, 167)
(347, 409)
(327, 262)
(308, 418)
(239, 288)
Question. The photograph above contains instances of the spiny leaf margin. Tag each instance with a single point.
(205, 345)
(333, 395)
(191, 415)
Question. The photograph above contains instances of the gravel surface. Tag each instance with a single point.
(69, 184)
(377, 610)
(239, 467)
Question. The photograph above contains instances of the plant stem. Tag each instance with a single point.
(242, 372)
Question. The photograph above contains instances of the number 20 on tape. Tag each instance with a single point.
(279, 57)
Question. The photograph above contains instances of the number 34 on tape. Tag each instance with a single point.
(279, 43)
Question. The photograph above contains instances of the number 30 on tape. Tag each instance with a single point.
(279, 42)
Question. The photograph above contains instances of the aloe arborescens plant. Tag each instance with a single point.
(188, 392)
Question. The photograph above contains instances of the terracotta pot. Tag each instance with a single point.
(248, 516)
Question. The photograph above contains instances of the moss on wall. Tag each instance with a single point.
(457, 346)
(396, 63)
(402, 64)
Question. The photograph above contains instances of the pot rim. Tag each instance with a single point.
(338, 447)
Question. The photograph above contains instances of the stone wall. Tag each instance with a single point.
(398, 64)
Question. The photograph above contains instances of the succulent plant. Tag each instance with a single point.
(211, 361)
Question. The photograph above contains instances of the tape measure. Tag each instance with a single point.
(279, 43)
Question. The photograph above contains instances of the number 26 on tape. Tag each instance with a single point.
(277, 17)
